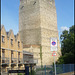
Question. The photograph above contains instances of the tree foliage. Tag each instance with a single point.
(67, 47)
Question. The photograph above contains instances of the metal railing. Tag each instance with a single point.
(13, 60)
(64, 68)
(35, 61)
(5, 60)
(20, 61)
(30, 61)
(49, 69)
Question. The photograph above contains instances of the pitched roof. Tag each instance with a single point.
(8, 33)
(2, 26)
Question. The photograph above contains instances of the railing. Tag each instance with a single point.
(20, 61)
(5, 60)
(13, 60)
(36, 61)
(3, 70)
(60, 69)
(30, 61)
(64, 68)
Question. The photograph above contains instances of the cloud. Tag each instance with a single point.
(64, 28)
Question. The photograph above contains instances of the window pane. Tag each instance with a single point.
(3, 38)
(18, 44)
(3, 53)
(11, 41)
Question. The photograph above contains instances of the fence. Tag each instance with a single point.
(49, 70)
(64, 68)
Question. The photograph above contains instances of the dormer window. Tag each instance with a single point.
(18, 43)
(11, 41)
(3, 39)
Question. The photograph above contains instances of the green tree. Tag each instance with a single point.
(67, 46)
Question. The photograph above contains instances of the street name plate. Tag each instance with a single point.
(16, 71)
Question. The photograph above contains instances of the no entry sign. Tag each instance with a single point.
(53, 44)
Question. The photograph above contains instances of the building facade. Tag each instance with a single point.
(37, 24)
(12, 55)
(11, 51)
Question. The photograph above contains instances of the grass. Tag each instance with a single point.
(20, 73)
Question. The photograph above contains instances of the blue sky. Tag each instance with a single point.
(10, 14)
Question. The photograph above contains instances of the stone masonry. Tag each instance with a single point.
(37, 24)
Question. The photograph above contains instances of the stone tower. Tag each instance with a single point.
(37, 23)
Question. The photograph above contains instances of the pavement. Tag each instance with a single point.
(69, 73)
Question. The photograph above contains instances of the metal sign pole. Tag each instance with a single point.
(54, 65)
(53, 42)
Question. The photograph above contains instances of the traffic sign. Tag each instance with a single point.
(53, 44)
(54, 54)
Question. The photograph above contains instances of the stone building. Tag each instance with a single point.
(37, 24)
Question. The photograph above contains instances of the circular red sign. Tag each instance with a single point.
(53, 43)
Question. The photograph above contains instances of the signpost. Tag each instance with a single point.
(53, 43)
(26, 71)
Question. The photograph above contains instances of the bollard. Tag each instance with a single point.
(31, 70)
(45, 69)
(26, 70)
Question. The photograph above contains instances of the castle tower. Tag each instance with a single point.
(37, 24)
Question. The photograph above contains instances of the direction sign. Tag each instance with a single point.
(53, 44)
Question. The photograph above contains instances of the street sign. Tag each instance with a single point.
(16, 71)
(54, 54)
(53, 43)
(26, 71)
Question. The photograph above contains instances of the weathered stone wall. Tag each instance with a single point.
(29, 22)
(37, 24)
(48, 25)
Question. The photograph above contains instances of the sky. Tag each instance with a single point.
(10, 14)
